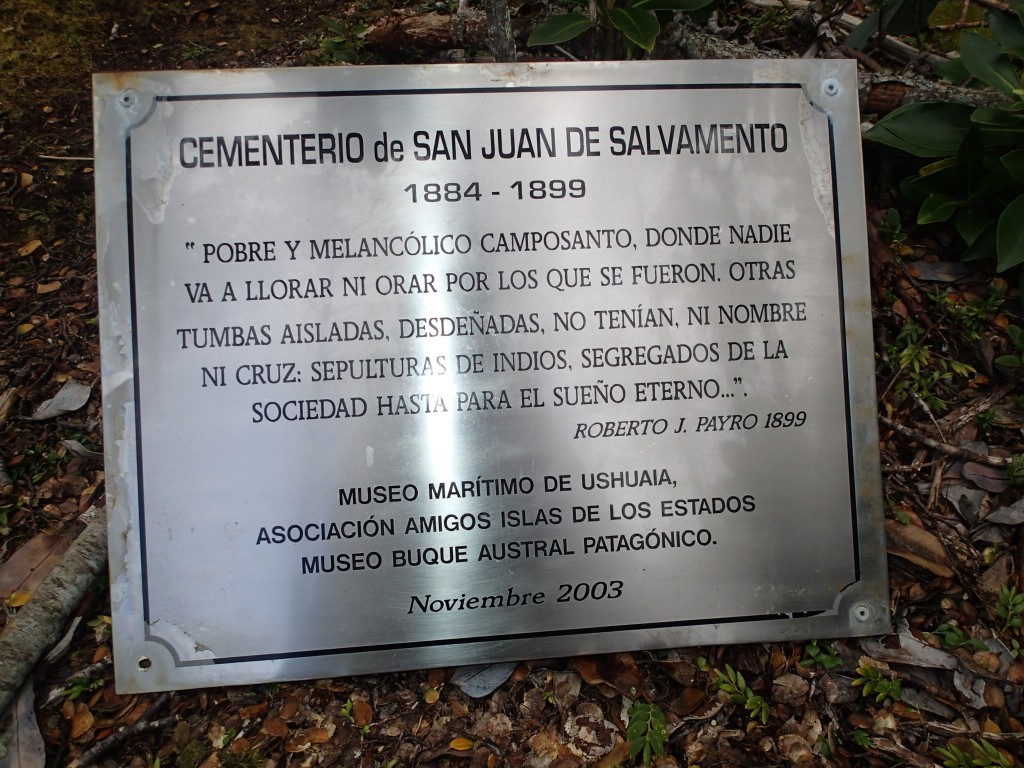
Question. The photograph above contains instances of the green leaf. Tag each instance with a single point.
(1016, 335)
(1010, 361)
(1007, 31)
(860, 35)
(671, 5)
(953, 70)
(988, 63)
(997, 117)
(906, 17)
(924, 129)
(640, 27)
(1010, 236)
(971, 221)
(1014, 163)
(937, 208)
(560, 29)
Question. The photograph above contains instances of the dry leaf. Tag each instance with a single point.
(18, 599)
(363, 713)
(618, 670)
(256, 710)
(298, 744)
(29, 247)
(26, 747)
(71, 397)
(25, 180)
(275, 726)
(918, 546)
(290, 708)
(81, 722)
(48, 287)
(31, 563)
(462, 744)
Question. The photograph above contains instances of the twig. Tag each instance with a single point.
(565, 53)
(959, 25)
(995, 5)
(140, 726)
(76, 159)
(949, 450)
(89, 673)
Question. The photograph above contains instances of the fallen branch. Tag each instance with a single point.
(39, 623)
(949, 450)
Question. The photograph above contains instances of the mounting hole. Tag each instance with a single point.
(145, 662)
(128, 98)
(831, 87)
(862, 612)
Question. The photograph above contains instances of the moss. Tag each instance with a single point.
(193, 754)
(246, 758)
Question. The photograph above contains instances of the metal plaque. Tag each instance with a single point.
(420, 366)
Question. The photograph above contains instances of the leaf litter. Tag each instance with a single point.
(954, 518)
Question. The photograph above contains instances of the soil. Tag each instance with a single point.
(947, 569)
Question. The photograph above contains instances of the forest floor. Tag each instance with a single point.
(947, 678)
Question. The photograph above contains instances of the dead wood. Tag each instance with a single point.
(434, 31)
(39, 623)
(879, 92)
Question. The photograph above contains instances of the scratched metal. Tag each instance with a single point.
(623, 439)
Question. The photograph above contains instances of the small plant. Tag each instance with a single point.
(971, 315)
(980, 754)
(1015, 648)
(862, 739)
(102, 627)
(1015, 469)
(1016, 357)
(635, 21)
(952, 636)
(891, 228)
(1010, 608)
(986, 420)
(922, 370)
(732, 683)
(974, 176)
(346, 711)
(195, 51)
(80, 685)
(646, 731)
(822, 654)
(872, 682)
(346, 45)
(36, 464)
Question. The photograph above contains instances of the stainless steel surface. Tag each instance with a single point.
(420, 366)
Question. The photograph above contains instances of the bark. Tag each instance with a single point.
(438, 31)
(39, 623)
(499, 31)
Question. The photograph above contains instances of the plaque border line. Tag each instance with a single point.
(455, 641)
